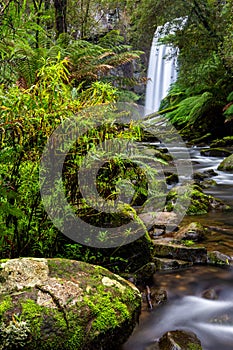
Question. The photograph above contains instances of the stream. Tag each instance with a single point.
(211, 320)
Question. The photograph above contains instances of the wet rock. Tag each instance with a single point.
(158, 296)
(64, 304)
(176, 251)
(179, 340)
(194, 232)
(170, 264)
(157, 232)
(224, 142)
(209, 294)
(210, 172)
(217, 258)
(153, 297)
(154, 346)
(145, 274)
(201, 141)
(208, 183)
(159, 220)
(200, 176)
(171, 178)
(215, 152)
(226, 164)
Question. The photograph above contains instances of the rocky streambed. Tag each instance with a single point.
(59, 303)
(189, 281)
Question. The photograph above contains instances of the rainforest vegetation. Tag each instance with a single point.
(57, 58)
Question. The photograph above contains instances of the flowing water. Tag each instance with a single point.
(211, 320)
(162, 69)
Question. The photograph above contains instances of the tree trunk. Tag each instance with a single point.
(60, 16)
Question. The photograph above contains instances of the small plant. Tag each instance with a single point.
(187, 242)
(14, 335)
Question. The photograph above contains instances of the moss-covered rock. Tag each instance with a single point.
(218, 258)
(171, 250)
(226, 164)
(179, 340)
(199, 202)
(64, 304)
(171, 178)
(223, 142)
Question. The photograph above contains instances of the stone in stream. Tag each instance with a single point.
(215, 152)
(208, 183)
(223, 142)
(166, 249)
(226, 164)
(209, 294)
(218, 258)
(145, 274)
(194, 232)
(158, 222)
(171, 178)
(179, 340)
(58, 304)
(170, 264)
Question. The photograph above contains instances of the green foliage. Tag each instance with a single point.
(205, 60)
(228, 109)
(27, 119)
(191, 109)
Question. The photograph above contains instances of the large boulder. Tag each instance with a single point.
(226, 164)
(64, 304)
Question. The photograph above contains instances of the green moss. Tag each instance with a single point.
(32, 312)
(76, 338)
(108, 311)
(225, 141)
(214, 259)
(192, 346)
(3, 260)
(61, 267)
(226, 164)
(5, 305)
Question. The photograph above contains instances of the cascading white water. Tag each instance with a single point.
(162, 70)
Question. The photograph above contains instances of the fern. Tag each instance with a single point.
(190, 109)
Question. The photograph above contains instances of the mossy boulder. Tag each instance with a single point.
(223, 142)
(166, 249)
(192, 196)
(226, 164)
(179, 340)
(64, 304)
(171, 178)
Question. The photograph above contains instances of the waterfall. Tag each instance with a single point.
(162, 70)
